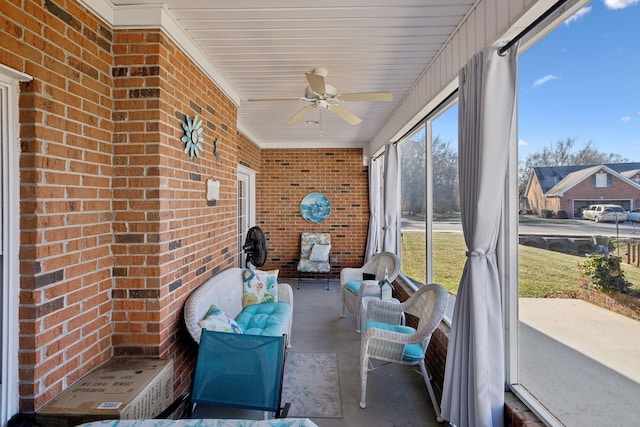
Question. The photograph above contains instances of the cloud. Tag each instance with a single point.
(578, 15)
(625, 119)
(522, 143)
(543, 80)
(620, 4)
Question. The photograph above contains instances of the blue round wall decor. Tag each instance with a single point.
(315, 207)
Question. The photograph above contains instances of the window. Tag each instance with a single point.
(430, 226)
(565, 365)
(602, 180)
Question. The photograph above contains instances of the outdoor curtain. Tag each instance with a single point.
(391, 199)
(474, 383)
(373, 238)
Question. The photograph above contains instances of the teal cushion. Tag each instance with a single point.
(353, 287)
(264, 319)
(411, 352)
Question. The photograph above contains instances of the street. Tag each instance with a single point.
(541, 227)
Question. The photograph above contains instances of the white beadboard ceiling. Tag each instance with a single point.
(262, 48)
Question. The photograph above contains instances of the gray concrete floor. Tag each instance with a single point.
(581, 361)
(396, 395)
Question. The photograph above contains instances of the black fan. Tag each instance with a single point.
(255, 246)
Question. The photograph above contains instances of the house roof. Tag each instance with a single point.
(555, 180)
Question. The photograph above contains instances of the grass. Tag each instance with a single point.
(542, 273)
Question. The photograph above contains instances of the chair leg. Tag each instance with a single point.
(432, 395)
(363, 382)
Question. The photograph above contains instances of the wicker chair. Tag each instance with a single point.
(354, 287)
(385, 339)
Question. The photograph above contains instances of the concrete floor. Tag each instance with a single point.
(396, 395)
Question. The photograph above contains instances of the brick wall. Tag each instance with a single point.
(168, 237)
(65, 192)
(286, 176)
(115, 230)
(248, 153)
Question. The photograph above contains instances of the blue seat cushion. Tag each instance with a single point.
(411, 352)
(264, 319)
(353, 287)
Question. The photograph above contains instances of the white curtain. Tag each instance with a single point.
(474, 383)
(391, 200)
(373, 238)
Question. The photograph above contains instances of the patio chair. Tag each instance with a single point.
(240, 371)
(387, 340)
(355, 285)
(315, 248)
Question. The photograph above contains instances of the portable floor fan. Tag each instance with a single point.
(255, 247)
(321, 95)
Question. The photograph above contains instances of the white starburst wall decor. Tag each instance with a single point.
(192, 136)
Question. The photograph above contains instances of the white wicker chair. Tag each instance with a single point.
(384, 338)
(376, 267)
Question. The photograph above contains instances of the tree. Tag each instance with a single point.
(446, 197)
(561, 154)
(412, 178)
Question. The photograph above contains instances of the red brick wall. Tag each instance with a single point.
(115, 230)
(286, 176)
(248, 153)
(65, 191)
(168, 237)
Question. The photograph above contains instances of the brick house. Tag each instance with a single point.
(572, 188)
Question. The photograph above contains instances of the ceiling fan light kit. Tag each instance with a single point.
(324, 96)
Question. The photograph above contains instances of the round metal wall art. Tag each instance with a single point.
(315, 207)
(192, 136)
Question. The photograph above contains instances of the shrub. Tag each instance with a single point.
(546, 213)
(562, 214)
(604, 272)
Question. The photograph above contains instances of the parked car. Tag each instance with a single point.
(605, 213)
(633, 215)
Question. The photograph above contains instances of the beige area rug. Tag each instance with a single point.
(312, 385)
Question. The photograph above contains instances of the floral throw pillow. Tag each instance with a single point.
(259, 286)
(219, 321)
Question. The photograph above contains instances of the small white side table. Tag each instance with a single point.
(363, 310)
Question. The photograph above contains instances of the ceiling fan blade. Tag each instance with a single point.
(300, 114)
(316, 81)
(365, 96)
(344, 114)
(290, 98)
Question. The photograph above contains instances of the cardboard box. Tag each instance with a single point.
(123, 388)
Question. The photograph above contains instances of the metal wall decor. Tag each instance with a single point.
(192, 136)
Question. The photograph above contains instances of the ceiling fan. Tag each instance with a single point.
(324, 96)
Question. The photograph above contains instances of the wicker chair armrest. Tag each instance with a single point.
(285, 294)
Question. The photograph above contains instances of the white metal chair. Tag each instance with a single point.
(355, 286)
(386, 339)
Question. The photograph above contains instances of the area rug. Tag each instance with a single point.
(312, 385)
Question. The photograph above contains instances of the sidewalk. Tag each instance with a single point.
(581, 361)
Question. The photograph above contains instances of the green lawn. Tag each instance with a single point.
(542, 272)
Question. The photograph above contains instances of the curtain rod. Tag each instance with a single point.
(531, 26)
(501, 51)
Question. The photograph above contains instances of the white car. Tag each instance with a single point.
(634, 215)
(605, 213)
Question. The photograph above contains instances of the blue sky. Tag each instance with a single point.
(582, 81)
